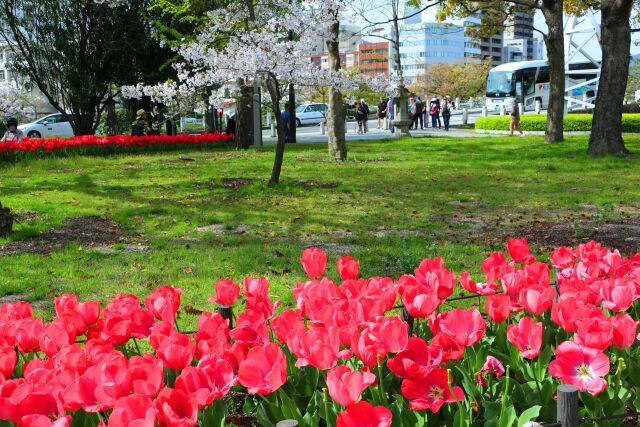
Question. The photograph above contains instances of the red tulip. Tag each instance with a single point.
(251, 328)
(176, 351)
(226, 293)
(466, 327)
(594, 333)
(483, 289)
(562, 257)
(38, 420)
(432, 274)
(212, 326)
(580, 366)
(430, 391)
(419, 301)
(176, 408)
(255, 286)
(8, 360)
(537, 299)
(163, 303)
(147, 375)
(495, 266)
(368, 348)
(17, 311)
(449, 347)
(318, 347)
(345, 386)
(314, 262)
(492, 366)
(348, 268)
(519, 251)
(526, 336)
(416, 360)
(617, 294)
(287, 324)
(133, 410)
(498, 307)
(393, 332)
(264, 370)
(27, 333)
(54, 337)
(624, 330)
(362, 414)
(89, 312)
(212, 379)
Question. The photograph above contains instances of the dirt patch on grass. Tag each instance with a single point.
(87, 231)
(314, 183)
(624, 236)
(236, 183)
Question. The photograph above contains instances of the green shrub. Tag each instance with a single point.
(572, 123)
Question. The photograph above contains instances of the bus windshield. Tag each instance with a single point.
(500, 82)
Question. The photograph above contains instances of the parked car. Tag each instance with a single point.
(310, 114)
(53, 125)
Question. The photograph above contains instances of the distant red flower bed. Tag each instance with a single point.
(90, 144)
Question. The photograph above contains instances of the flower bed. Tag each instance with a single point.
(343, 357)
(101, 145)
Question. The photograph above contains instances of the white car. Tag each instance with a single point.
(311, 114)
(53, 125)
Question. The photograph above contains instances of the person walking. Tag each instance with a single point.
(515, 119)
(361, 117)
(285, 118)
(391, 115)
(412, 111)
(418, 117)
(382, 110)
(12, 133)
(434, 111)
(140, 127)
(365, 108)
(439, 109)
(446, 112)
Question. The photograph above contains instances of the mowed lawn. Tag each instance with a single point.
(191, 218)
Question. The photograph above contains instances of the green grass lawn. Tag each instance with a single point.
(391, 205)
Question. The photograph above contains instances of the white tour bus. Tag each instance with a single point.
(528, 82)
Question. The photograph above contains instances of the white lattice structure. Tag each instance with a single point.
(581, 36)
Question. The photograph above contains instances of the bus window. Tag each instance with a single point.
(543, 75)
(529, 81)
(500, 82)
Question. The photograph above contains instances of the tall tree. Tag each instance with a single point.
(73, 50)
(495, 13)
(336, 116)
(606, 130)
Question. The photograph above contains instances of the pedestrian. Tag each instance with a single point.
(140, 126)
(285, 118)
(157, 120)
(382, 110)
(434, 111)
(515, 119)
(418, 116)
(361, 117)
(391, 114)
(365, 107)
(446, 112)
(12, 133)
(412, 111)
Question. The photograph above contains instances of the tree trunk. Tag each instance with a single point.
(110, 120)
(274, 91)
(336, 116)
(396, 41)
(606, 128)
(242, 117)
(554, 40)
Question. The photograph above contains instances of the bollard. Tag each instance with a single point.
(386, 123)
(521, 108)
(465, 116)
(457, 106)
(538, 106)
(485, 113)
(567, 405)
(502, 110)
(273, 129)
(322, 128)
(268, 119)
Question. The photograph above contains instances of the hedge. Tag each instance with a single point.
(572, 123)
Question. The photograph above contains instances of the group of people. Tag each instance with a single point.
(150, 123)
(436, 108)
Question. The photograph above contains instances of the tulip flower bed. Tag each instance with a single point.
(343, 357)
(101, 145)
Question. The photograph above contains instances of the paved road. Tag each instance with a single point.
(312, 133)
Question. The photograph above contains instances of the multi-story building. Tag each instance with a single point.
(350, 38)
(518, 38)
(373, 58)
